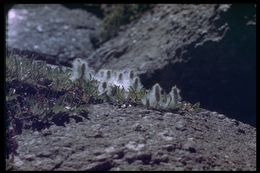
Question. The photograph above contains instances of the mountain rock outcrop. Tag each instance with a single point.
(52, 29)
(208, 51)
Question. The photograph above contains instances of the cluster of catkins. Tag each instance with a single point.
(107, 79)
(123, 79)
(157, 98)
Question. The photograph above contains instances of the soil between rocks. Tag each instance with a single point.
(113, 138)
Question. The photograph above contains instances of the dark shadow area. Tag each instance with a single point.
(219, 75)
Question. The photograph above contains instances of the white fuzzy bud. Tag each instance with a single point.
(137, 84)
(165, 101)
(108, 74)
(120, 77)
(154, 95)
(80, 69)
(175, 97)
(131, 75)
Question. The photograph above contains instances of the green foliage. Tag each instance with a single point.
(85, 90)
(120, 15)
(39, 94)
(118, 95)
(82, 90)
(135, 95)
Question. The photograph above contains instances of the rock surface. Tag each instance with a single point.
(208, 51)
(160, 35)
(134, 138)
(52, 29)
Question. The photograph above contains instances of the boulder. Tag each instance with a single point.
(52, 29)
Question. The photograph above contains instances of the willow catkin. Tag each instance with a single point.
(104, 85)
(157, 93)
(120, 77)
(108, 74)
(175, 92)
(82, 71)
(136, 83)
(102, 74)
(131, 75)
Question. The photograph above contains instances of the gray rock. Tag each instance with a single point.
(52, 29)
(189, 43)
(125, 149)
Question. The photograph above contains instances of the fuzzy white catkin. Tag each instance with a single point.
(125, 79)
(118, 78)
(155, 99)
(76, 68)
(136, 83)
(108, 74)
(145, 101)
(75, 65)
(175, 97)
(101, 75)
(165, 101)
(154, 95)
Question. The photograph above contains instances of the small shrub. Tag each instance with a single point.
(121, 14)
(38, 95)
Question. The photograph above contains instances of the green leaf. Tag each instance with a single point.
(11, 98)
(58, 109)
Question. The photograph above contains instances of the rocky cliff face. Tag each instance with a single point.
(161, 36)
(206, 50)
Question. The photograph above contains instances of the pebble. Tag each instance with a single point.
(46, 132)
(101, 157)
(179, 125)
(29, 157)
(137, 127)
(39, 28)
(145, 157)
(241, 131)
(213, 113)
(110, 149)
(133, 146)
(98, 134)
(190, 145)
(168, 115)
(17, 161)
(123, 106)
(221, 116)
(44, 154)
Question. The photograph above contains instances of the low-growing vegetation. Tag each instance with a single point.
(119, 15)
(39, 95)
